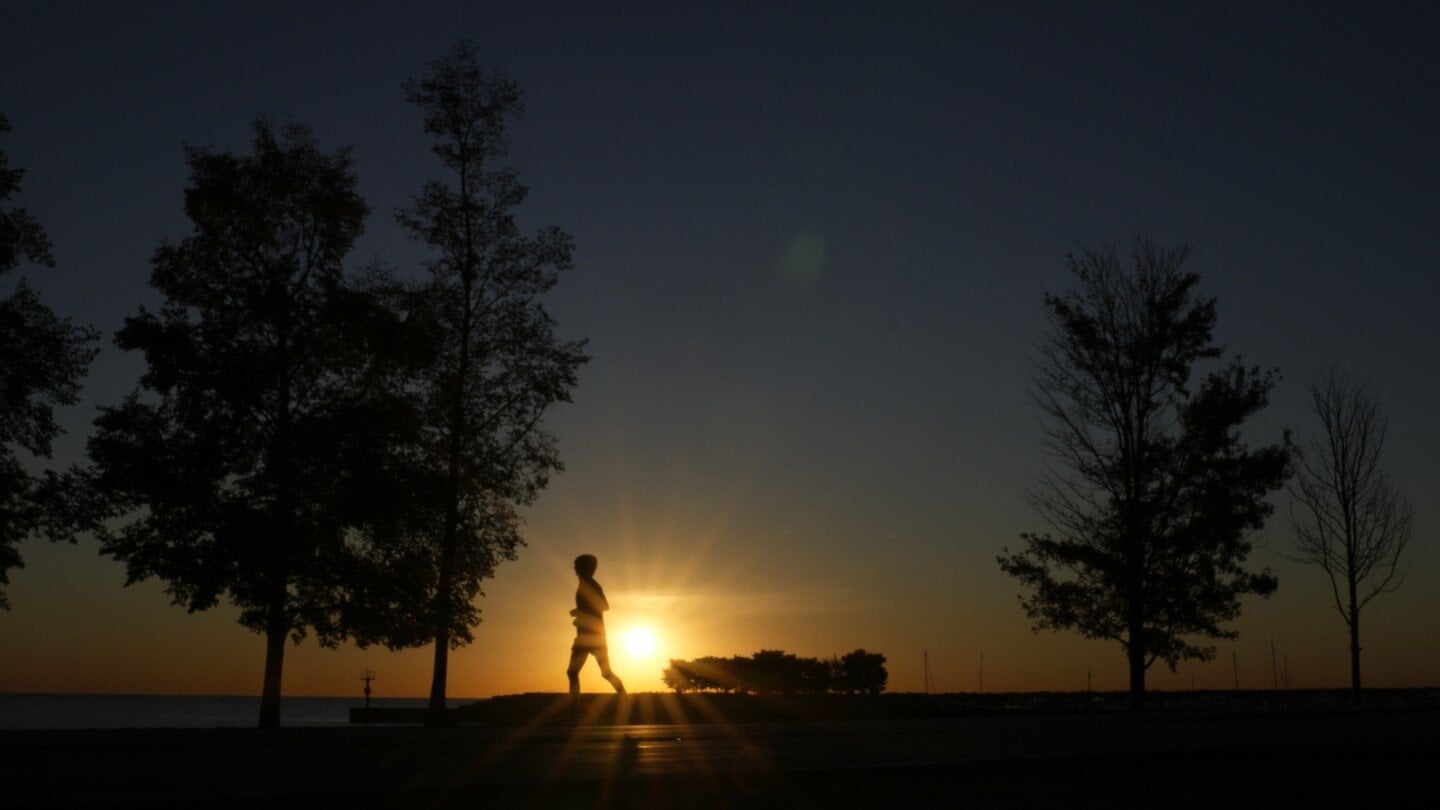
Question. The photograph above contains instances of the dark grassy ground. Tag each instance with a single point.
(1210, 750)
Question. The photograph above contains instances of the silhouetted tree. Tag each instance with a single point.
(1150, 492)
(815, 676)
(861, 671)
(680, 676)
(498, 363)
(773, 672)
(42, 360)
(1349, 517)
(718, 674)
(230, 460)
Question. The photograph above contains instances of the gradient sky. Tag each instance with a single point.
(812, 243)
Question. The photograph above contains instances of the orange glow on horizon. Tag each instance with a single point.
(719, 586)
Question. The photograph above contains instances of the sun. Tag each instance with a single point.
(639, 643)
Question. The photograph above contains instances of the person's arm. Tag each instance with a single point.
(601, 605)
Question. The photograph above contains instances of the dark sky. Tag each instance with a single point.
(812, 242)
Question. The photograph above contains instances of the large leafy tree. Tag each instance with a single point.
(481, 451)
(234, 462)
(1150, 493)
(43, 357)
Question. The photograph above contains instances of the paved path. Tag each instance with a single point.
(1014, 761)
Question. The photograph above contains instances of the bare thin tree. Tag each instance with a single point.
(1349, 517)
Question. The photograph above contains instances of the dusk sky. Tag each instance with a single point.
(812, 242)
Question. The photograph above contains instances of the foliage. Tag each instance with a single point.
(779, 672)
(233, 461)
(1348, 516)
(43, 357)
(480, 450)
(21, 235)
(1150, 492)
(860, 671)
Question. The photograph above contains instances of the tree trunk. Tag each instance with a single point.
(435, 711)
(277, 625)
(1135, 653)
(1355, 656)
(275, 635)
(1135, 618)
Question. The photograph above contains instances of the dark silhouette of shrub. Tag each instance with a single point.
(776, 672)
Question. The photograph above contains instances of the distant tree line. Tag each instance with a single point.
(775, 672)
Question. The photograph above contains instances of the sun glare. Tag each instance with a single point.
(640, 643)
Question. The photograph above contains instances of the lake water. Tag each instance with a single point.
(28, 711)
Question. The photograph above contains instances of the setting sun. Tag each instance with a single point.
(640, 643)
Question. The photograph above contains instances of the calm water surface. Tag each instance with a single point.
(28, 711)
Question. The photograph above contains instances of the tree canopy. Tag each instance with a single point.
(1151, 494)
(480, 450)
(233, 464)
(1350, 518)
(43, 357)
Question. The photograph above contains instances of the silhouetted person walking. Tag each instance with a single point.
(590, 605)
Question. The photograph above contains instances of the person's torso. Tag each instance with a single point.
(590, 607)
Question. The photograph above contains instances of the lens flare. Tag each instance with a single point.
(640, 643)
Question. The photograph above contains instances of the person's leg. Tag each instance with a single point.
(577, 660)
(602, 657)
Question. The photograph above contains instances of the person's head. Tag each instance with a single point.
(586, 564)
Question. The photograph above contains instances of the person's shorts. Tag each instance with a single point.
(588, 643)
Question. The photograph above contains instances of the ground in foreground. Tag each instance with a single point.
(1310, 758)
